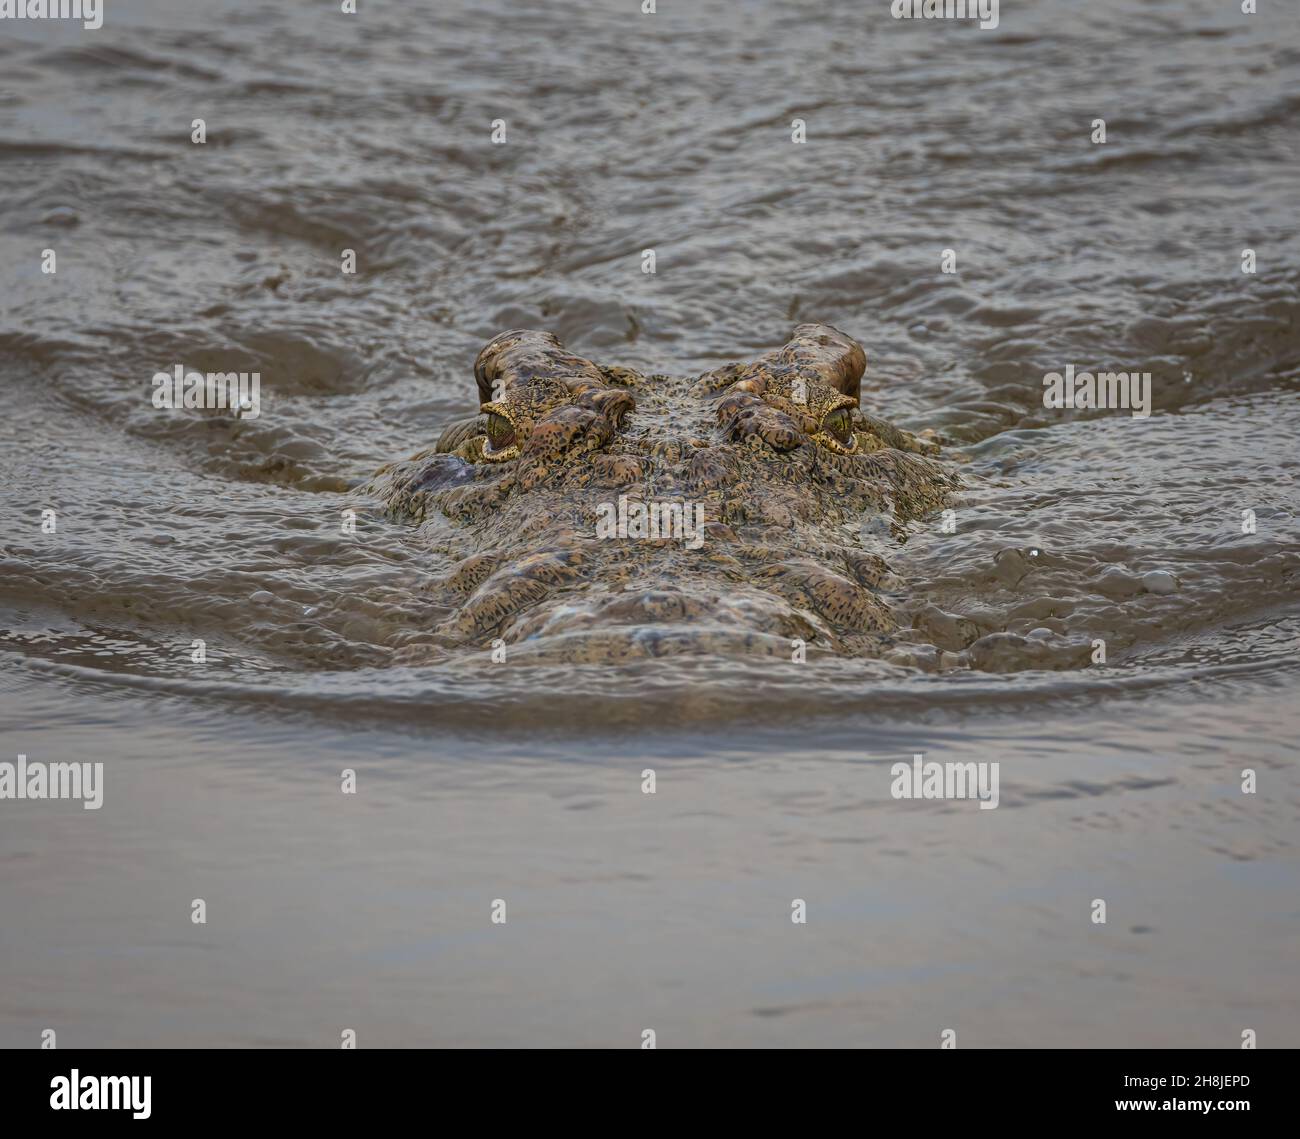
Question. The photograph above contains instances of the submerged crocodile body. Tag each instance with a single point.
(599, 514)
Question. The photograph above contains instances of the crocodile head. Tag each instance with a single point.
(593, 513)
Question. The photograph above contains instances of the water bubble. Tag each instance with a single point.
(61, 215)
(1159, 581)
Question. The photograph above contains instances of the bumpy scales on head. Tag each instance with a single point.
(577, 490)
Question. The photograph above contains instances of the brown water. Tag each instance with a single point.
(478, 781)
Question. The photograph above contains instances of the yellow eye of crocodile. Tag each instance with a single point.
(839, 425)
(500, 431)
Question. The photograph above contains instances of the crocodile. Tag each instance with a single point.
(593, 513)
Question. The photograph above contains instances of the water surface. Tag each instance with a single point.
(625, 132)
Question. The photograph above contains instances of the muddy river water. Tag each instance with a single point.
(1171, 537)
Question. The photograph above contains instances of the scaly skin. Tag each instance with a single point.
(777, 452)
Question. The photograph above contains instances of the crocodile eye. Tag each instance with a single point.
(839, 425)
(500, 431)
